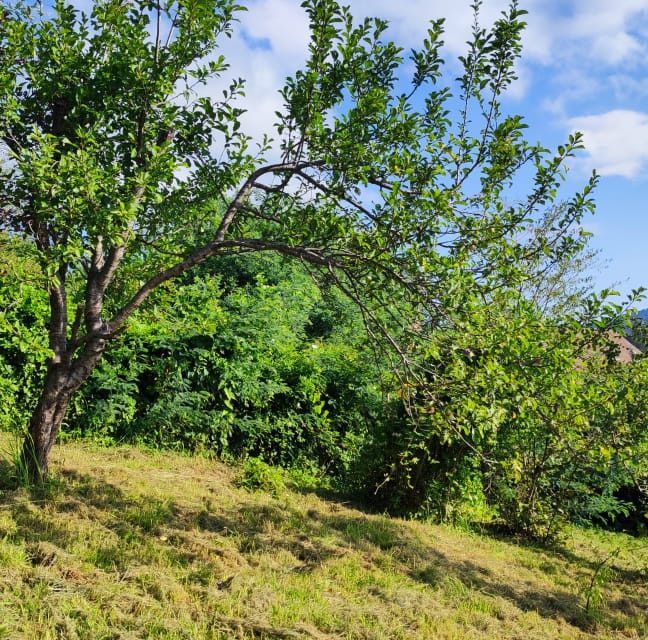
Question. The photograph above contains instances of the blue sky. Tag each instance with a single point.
(585, 67)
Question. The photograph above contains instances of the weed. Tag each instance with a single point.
(257, 475)
(594, 590)
(14, 453)
(150, 515)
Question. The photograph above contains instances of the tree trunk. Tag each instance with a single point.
(46, 421)
(61, 382)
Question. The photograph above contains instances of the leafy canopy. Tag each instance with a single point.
(114, 155)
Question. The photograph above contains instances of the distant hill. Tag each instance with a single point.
(643, 315)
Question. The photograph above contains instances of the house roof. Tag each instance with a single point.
(627, 351)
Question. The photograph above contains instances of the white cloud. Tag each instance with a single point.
(595, 17)
(518, 88)
(269, 43)
(616, 142)
(615, 48)
(410, 19)
(283, 23)
(606, 30)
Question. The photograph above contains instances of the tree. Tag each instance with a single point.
(524, 412)
(559, 286)
(123, 177)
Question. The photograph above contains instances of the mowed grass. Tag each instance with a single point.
(133, 544)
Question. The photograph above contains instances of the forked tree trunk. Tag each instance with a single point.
(75, 358)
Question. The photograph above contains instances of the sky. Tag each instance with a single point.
(584, 67)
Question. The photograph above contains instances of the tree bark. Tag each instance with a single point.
(61, 381)
(50, 410)
(46, 421)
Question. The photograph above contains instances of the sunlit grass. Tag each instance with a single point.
(135, 544)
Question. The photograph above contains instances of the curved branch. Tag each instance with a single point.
(308, 254)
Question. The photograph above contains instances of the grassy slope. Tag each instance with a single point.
(138, 545)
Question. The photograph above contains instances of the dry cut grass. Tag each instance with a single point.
(131, 544)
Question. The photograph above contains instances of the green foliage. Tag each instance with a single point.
(256, 475)
(23, 346)
(416, 350)
(523, 417)
(255, 362)
(116, 183)
(530, 413)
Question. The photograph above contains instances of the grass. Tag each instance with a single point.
(131, 544)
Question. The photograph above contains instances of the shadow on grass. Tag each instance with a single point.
(8, 480)
(559, 550)
(313, 537)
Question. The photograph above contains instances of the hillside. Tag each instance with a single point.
(132, 544)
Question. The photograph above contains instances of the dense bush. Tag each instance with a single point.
(522, 417)
(23, 347)
(532, 416)
(250, 362)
